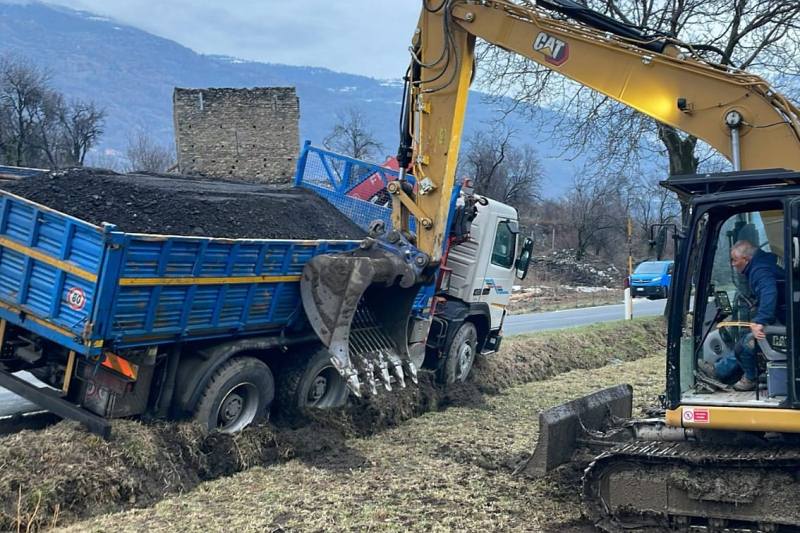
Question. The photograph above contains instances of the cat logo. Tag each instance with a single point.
(555, 51)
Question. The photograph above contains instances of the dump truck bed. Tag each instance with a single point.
(91, 288)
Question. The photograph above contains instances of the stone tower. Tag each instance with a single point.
(252, 134)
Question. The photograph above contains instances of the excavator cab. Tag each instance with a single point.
(711, 309)
(713, 304)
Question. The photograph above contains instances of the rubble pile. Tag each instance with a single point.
(571, 271)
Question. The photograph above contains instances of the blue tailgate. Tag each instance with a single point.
(50, 264)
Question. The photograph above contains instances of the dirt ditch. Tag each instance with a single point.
(176, 205)
(62, 474)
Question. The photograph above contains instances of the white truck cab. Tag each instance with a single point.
(474, 289)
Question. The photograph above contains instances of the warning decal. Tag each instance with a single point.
(76, 298)
(696, 415)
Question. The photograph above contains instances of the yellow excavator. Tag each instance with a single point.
(714, 459)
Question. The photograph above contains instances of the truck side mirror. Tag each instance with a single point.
(524, 259)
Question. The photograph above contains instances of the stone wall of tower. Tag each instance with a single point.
(250, 134)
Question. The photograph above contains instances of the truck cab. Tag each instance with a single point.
(652, 279)
(474, 290)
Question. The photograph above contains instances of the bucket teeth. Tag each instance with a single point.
(369, 373)
(397, 369)
(383, 367)
(412, 371)
(354, 384)
(350, 376)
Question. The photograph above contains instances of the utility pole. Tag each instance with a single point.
(628, 296)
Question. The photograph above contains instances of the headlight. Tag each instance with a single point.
(656, 279)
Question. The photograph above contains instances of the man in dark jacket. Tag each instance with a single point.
(763, 276)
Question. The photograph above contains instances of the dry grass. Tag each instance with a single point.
(441, 471)
(557, 298)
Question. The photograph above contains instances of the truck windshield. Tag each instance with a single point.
(649, 268)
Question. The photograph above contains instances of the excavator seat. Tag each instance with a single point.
(775, 351)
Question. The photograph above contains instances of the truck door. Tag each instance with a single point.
(499, 275)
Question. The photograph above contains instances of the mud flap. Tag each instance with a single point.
(359, 305)
(561, 427)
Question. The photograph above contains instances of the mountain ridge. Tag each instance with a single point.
(131, 74)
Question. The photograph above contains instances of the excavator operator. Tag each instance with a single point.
(763, 277)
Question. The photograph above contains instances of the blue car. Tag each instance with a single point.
(652, 279)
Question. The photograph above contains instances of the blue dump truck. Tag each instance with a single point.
(652, 279)
(122, 324)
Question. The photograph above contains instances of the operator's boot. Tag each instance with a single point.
(745, 384)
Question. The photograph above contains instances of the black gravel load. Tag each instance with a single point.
(178, 205)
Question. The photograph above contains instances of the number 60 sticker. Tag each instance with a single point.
(76, 298)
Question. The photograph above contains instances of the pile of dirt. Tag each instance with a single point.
(177, 205)
(63, 473)
(563, 267)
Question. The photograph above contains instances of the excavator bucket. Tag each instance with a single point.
(563, 428)
(359, 304)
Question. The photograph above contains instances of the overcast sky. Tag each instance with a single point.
(368, 37)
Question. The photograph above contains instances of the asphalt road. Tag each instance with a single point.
(514, 325)
(568, 318)
(10, 403)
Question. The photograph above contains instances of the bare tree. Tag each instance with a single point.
(352, 136)
(761, 36)
(37, 128)
(22, 89)
(50, 140)
(144, 154)
(501, 170)
(82, 123)
(595, 210)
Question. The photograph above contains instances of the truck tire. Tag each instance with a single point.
(460, 355)
(237, 394)
(312, 383)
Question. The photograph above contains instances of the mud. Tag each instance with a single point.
(365, 416)
(177, 205)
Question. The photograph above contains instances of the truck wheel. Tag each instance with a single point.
(238, 394)
(312, 383)
(460, 355)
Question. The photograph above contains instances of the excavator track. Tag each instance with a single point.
(694, 487)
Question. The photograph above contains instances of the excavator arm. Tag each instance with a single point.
(736, 113)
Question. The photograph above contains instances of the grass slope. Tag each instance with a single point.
(441, 471)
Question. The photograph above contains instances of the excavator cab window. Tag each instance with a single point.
(720, 305)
